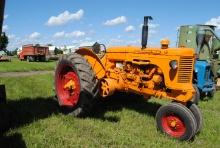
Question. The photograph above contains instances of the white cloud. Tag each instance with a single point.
(116, 21)
(6, 16)
(64, 18)
(86, 43)
(214, 21)
(59, 34)
(75, 34)
(129, 28)
(5, 28)
(34, 35)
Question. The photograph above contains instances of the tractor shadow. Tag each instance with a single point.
(15, 140)
(121, 101)
(17, 113)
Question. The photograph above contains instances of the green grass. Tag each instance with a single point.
(32, 119)
(16, 65)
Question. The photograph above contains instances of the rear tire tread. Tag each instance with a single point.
(88, 84)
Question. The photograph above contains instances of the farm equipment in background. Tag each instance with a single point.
(33, 53)
(81, 78)
(207, 45)
(2, 86)
(4, 57)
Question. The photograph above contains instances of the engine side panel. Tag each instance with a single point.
(148, 72)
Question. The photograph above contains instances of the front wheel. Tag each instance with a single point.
(176, 120)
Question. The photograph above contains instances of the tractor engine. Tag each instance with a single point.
(126, 76)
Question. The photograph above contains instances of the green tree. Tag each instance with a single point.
(57, 51)
(3, 42)
(49, 44)
(14, 52)
(11, 53)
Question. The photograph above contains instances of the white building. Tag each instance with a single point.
(19, 50)
(68, 49)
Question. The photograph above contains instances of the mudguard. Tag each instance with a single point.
(96, 63)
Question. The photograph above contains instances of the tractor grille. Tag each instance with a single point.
(185, 70)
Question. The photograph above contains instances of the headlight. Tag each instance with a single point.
(173, 64)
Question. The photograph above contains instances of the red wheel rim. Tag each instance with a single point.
(173, 125)
(67, 86)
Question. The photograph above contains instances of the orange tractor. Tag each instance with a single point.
(92, 73)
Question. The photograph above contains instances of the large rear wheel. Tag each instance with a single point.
(75, 84)
(176, 120)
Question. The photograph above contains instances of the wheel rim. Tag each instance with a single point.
(173, 125)
(67, 86)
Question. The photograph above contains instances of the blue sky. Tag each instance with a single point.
(112, 22)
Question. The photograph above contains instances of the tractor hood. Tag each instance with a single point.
(155, 51)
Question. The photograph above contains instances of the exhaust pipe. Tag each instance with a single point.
(2, 7)
(145, 31)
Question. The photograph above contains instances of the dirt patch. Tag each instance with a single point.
(23, 74)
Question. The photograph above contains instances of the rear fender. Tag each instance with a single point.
(94, 61)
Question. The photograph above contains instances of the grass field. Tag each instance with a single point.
(32, 118)
(17, 65)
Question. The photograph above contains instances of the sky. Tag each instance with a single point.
(112, 22)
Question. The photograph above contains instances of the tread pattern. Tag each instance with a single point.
(88, 83)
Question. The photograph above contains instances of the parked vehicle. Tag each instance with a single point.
(4, 57)
(34, 53)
